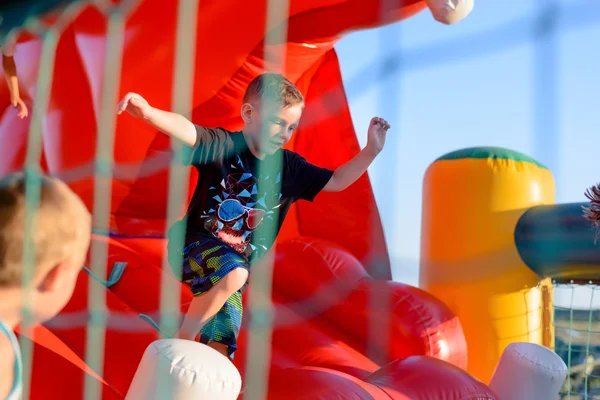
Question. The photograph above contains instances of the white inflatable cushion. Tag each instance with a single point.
(179, 369)
(450, 11)
(528, 371)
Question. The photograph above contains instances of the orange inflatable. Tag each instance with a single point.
(327, 337)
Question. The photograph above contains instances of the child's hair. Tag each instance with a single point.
(60, 225)
(275, 88)
(592, 213)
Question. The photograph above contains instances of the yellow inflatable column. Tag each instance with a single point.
(472, 200)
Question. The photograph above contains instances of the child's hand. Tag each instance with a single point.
(18, 103)
(135, 105)
(376, 135)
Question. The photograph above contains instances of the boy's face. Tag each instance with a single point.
(54, 287)
(57, 286)
(54, 290)
(271, 126)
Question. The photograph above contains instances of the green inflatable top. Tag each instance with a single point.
(490, 152)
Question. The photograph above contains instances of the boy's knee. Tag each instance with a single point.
(236, 279)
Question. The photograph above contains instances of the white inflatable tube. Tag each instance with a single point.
(178, 369)
(450, 11)
(528, 371)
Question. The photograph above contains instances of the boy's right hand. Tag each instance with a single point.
(172, 124)
(19, 104)
(135, 105)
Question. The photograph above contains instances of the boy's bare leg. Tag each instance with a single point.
(204, 307)
(220, 347)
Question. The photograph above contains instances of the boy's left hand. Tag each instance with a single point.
(378, 128)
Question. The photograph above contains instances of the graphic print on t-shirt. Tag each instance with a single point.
(237, 208)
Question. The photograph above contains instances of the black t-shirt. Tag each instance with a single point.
(236, 192)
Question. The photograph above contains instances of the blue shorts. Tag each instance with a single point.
(206, 262)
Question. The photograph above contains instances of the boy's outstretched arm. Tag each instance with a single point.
(172, 124)
(348, 173)
(10, 72)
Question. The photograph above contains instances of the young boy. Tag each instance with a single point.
(61, 238)
(10, 73)
(229, 203)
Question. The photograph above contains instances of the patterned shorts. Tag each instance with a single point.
(206, 262)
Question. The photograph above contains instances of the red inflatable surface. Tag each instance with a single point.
(340, 327)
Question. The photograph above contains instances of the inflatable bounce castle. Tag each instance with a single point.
(340, 327)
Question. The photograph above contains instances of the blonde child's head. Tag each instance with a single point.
(61, 236)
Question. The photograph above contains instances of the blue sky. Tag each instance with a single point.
(489, 80)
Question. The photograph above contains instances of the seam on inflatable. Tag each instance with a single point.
(479, 396)
(338, 283)
(322, 255)
(429, 345)
(523, 356)
(379, 387)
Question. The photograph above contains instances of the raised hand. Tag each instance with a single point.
(19, 104)
(378, 128)
(135, 105)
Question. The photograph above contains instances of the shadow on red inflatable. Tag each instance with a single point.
(342, 329)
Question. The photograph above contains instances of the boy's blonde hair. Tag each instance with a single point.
(274, 88)
(61, 231)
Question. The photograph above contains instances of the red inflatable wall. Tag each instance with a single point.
(327, 336)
